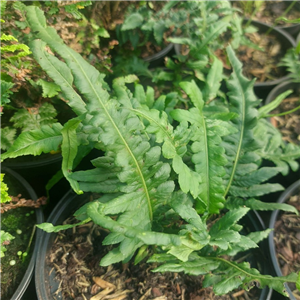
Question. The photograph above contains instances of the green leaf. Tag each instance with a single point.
(298, 282)
(158, 31)
(4, 236)
(133, 21)
(7, 137)
(264, 110)
(34, 142)
(69, 148)
(102, 32)
(49, 227)
(60, 74)
(50, 89)
(196, 267)
(284, 156)
(259, 205)
(35, 117)
(5, 92)
(213, 80)
(4, 191)
(240, 147)
(208, 155)
(255, 190)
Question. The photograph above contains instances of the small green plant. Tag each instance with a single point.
(5, 236)
(4, 240)
(164, 166)
(21, 113)
(291, 61)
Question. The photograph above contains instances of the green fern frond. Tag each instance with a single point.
(8, 135)
(34, 118)
(143, 180)
(292, 62)
(140, 147)
(47, 138)
(5, 92)
(2, 7)
(244, 177)
(208, 155)
(284, 156)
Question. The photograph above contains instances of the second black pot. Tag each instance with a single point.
(45, 283)
(284, 197)
(20, 184)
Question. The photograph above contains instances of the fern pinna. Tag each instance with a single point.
(154, 171)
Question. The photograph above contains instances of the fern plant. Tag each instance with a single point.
(161, 164)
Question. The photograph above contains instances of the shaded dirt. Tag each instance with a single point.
(75, 257)
(289, 124)
(287, 241)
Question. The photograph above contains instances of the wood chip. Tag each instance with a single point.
(103, 284)
(102, 294)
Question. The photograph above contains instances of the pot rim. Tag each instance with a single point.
(42, 161)
(44, 288)
(23, 285)
(279, 32)
(277, 90)
(159, 54)
(282, 198)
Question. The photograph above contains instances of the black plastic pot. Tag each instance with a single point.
(37, 170)
(27, 192)
(157, 59)
(45, 283)
(279, 89)
(292, 29)
(262, 89)
(291, 190)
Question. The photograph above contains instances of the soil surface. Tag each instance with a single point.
(289, 125)
(270, 11)
(11, 275)
(262, 64)
(75, 257)
(287, 241)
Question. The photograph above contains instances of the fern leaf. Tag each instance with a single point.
(292, 63)
(61, 75)
(134, 232)
(3, 7)
(143, 180)
(7, 137)
(5, 92)
(208, 156)
(210, 35)
(50, 89)
(242, 146)
(174, 146)
(213, 80)
(284, 156)
(69, 148)
(47, 138)
(34, 118)
(255, 204)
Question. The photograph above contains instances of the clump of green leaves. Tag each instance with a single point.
(4, 191)
(5, 237)
(291, 61)
(162, 165)
(11, 52)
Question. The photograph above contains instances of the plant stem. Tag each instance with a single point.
(283, 113)
(31, 238)
(253, 14)
(284, 13)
